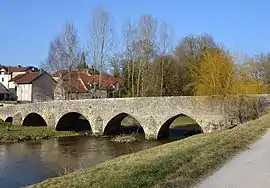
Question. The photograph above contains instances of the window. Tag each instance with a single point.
(2, 79)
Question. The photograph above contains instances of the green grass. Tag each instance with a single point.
(12, 133)
(177, 164)
(178, 122)
(183, 121)
(129, 121)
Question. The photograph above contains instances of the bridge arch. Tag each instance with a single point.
(179, 126)
(9, 119)
(123, 123)
(73, 121)
(34, 119)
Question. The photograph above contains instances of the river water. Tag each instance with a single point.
(26, 163)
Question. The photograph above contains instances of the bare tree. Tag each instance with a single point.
(143, 41)
(129, 34)
(63, 54)
(55, 60)
(71, 52)
(147, 29)
(63, 51)
(100, 43)
(165, 48)
(71, 47)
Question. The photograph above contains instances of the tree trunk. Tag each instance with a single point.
(132, 80)
(129, 72)
(161, 82)
(139, 80)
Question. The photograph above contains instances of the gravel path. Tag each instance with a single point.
(249, 169)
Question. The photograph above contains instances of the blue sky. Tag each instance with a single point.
(27, 26)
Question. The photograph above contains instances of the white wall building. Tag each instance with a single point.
(5, 77)
(7, 73)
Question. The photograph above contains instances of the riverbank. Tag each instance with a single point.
(178, 164)
(11, 133)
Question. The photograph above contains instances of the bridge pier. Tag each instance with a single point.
(97, 126)
(17, 119)
(150, 127)
(51, 123)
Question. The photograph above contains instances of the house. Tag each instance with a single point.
(34, 86)
(9, 72)
(83, 85)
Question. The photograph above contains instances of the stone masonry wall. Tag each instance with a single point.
(150, 112)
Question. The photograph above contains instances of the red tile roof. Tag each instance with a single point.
(16, 77)
(17, 69)
(80, 81)
(11, 69)
(26, 78)
(105, 81)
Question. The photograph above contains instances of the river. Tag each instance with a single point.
(26, 163)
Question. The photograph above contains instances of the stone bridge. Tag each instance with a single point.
(155, 114)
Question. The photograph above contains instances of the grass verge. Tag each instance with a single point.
(177, 164)
(12, 133)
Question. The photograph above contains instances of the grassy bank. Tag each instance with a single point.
(177, 164)
(11, 133)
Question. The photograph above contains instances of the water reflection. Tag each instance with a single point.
(26, 163)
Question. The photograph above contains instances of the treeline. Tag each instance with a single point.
(144, 56)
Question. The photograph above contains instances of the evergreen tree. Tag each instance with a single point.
(83, 64)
